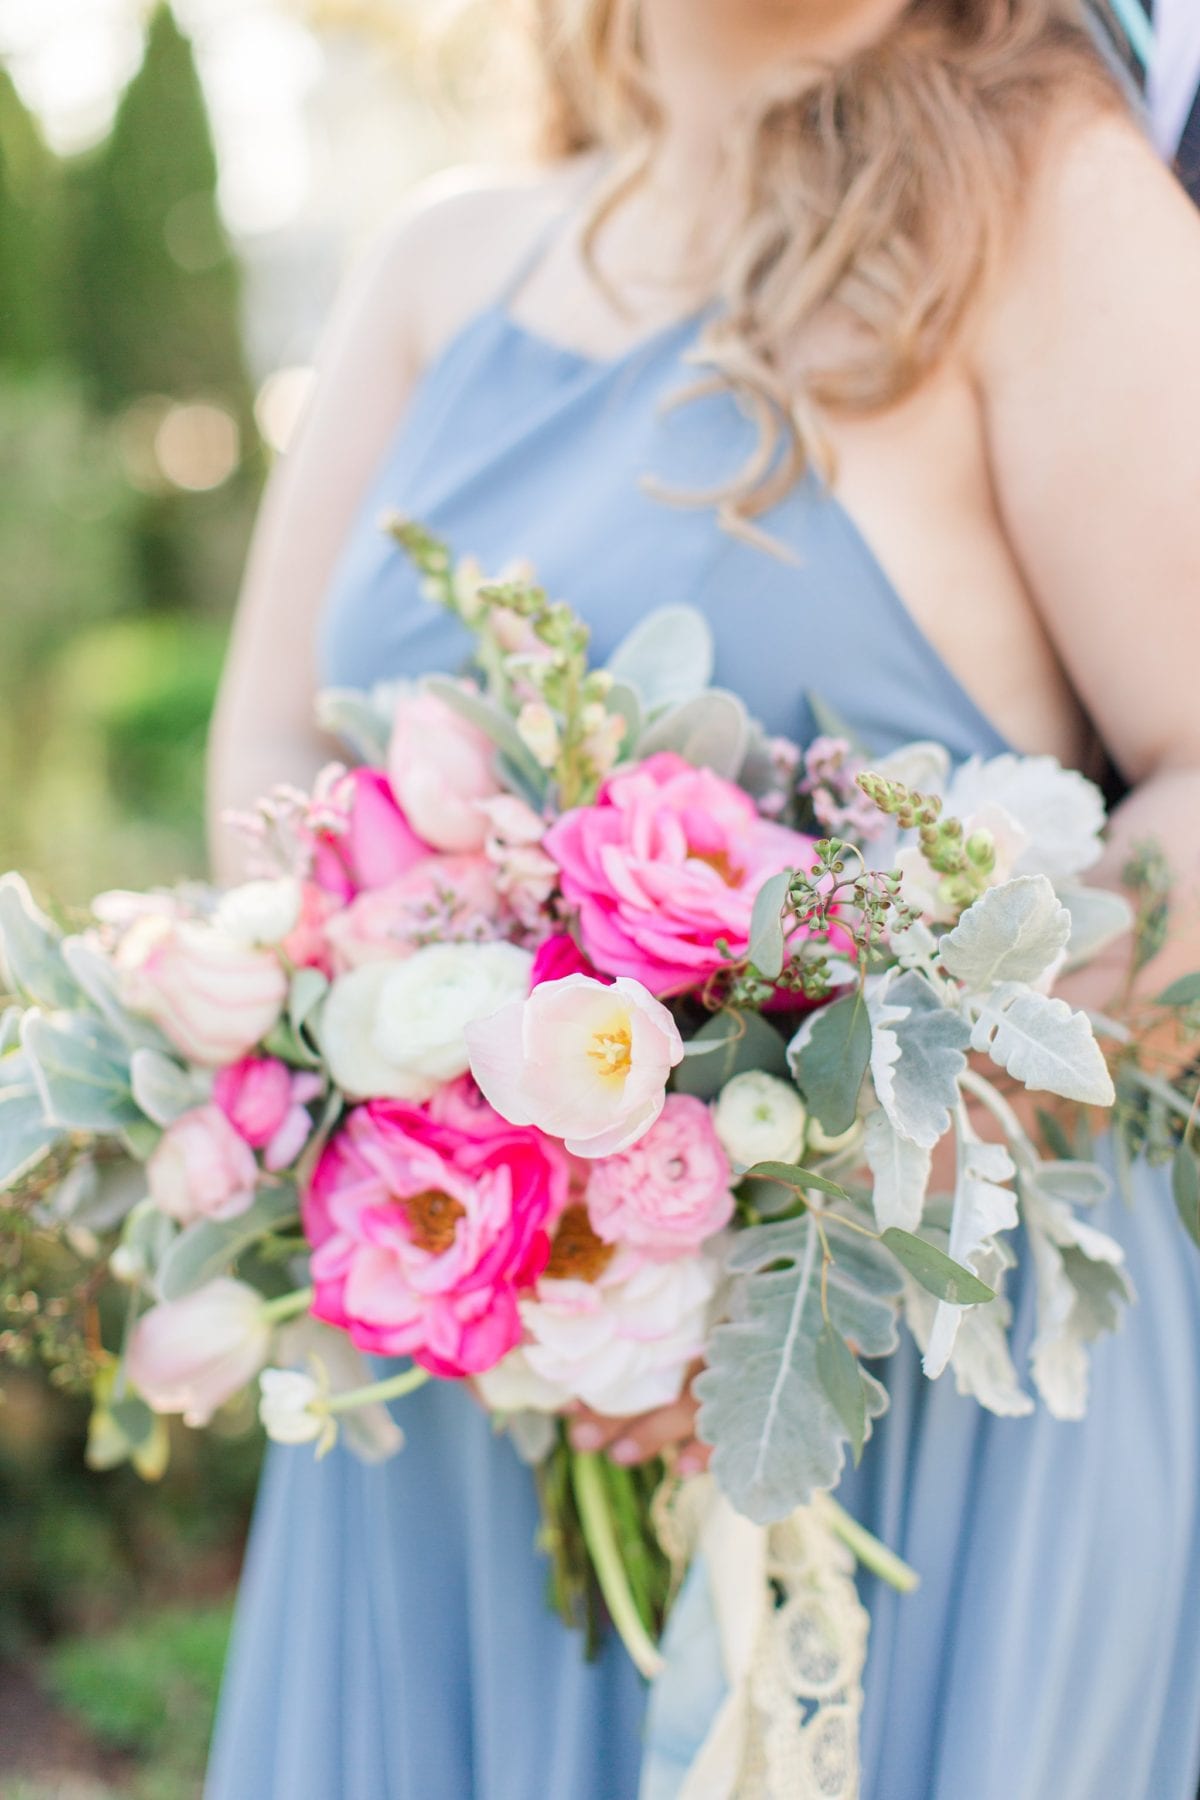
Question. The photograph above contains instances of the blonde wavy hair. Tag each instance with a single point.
(875, 194)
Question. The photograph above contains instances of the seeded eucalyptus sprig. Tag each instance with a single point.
(533, 652)
(965, 864)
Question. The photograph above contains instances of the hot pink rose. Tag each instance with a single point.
(440, 765)
(559, 957)
(441, 899)
(201, 1168)
(666, 863)
(424, 1233)
(372, 843)
(671, 1189)
(266, 1102)
(214, 997)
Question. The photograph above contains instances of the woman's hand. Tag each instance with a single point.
(668, 1431)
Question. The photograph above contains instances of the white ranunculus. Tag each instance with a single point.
(759, 1118)
(260, 912)
(397, 1029)
(287, 1406)
(513, 1387)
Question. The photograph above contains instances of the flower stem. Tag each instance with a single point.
(286, 1306)
(587, 1479)
(870, 1552)
(376, 1392)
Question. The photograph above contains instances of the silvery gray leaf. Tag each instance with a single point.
(1040, 1042)
(1098, 918)
(1082, 1289)
(26, 1135)
(1014, 932)
(209, 1247)
(981, 1359)
(918, 1052)
(710, 731)
(357, 720)
(81, 1069)
(31, 948)
(901, 1171)
(98, 982)
(163, 1088)
(777, 1438)
(668, 657)
(983, 1206)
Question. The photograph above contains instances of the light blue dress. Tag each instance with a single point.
(392, 1639)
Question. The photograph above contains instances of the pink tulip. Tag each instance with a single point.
(267, 1103)
(214, 997)
(559, 957)
(440, 766)
(191, 1355)
(202, 1168)
(373, 843)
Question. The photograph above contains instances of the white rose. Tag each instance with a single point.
(260, 912)
(286, 1406)
(759, 1118)
(397, 1029)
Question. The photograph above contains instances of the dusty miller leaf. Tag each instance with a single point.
(1098, 918)
(1043, 1044)
(918, 1047)
(981, 1360)
(901, 1170)
(983, 1206)
(667, 658)
(1081, 1290)
(710, 731)
(776, 1433)
(1012, 933)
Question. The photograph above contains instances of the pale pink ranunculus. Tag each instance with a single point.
(559, 956)
(665, 866)
(191, 1355)
(213, 997)
(669, 1191)
(440, 766)
(202, 1168)
(441, 899)
(583, 1060)
(267, 1103)
(609, 1325)
(368, 842)
(424, 1234)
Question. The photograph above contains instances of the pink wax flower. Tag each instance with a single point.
(666, 863)
(440, 765)
(558, 957)
(212, 995)
(670, 1190)
(191, 1355)
(367, 842)
(201, 1168)
(525, 875)
(266, 1102)
(305, 946)
(424, 1234)
(441, 899)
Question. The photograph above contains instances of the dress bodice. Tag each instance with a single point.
(514, 447)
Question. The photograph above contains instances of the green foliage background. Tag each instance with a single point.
(119, 295)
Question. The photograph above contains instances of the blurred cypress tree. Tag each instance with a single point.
(30, 195)
(156, 283)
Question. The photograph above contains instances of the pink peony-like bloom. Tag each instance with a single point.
(609, 1325)
(440, 765)
(671, 1189)
(663, 866)
(558, 957)
(368, 842)
(441, 899)
(580, 1059)
(267, 1103)
(191, 1355)
(214, 997)
(425, 1233)
(202, 1168)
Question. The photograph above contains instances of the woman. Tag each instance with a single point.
(913, 236)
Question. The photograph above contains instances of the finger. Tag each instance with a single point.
(693, 1458)
(590, 1430)
(654, 1432)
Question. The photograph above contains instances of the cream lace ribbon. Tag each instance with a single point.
(793, 1638)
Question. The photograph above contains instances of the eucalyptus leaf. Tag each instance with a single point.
(768, 945)
(667, 657)
(710, 731)
(1011, 933)
(777, 1435)
(1185, 1186)
(81, 1069)
(795, 1175)
(1184, 992)
(209, 1247)
(727, 1045)
(1040, 1042)
(31, 948)
(840, 1376)
(981, 1359)
(918, 1053)
(358, 721)
(935, 1271)
(829, 1058)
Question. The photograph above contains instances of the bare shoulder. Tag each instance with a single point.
(1107, 243)
(454, 245)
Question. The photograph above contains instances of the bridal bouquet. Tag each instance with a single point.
(574, 1039)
